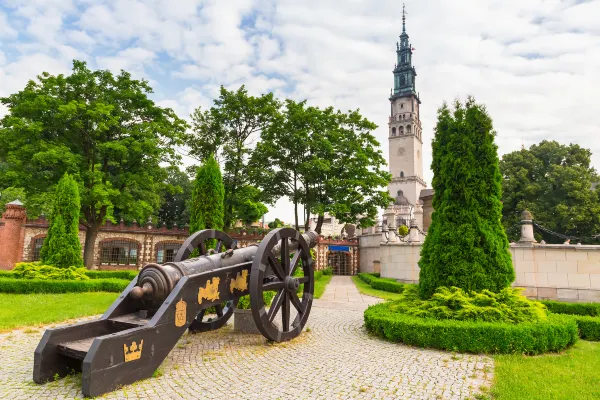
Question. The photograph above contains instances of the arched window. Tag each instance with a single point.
(408, 129)
(394, 131)
(36, 248)
(165, 252)
(402, 130)
(401, 174)
(402, 80)
(119, 252)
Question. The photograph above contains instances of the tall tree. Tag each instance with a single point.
(466, 245)
(175, 208)
(103, 128)
(555, 182)
(207, 209)
(61, 247)
(228, 130)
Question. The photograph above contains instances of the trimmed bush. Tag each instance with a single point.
(508, 306)
(558, 307)
(127, 275)
(244, 302)
(24, 286)
(385, 284)
(367, 278)
(39, 271)
(552, 334)
(328, 271)
(589, 327)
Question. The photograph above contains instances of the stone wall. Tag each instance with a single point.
(560, 272)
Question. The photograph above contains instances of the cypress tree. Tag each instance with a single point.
(61, 247)
(208, 210)
(466, 245)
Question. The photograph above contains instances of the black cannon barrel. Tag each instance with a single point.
(155, 281)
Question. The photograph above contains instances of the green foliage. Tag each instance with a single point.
(23, 286)
(249, 209)
(384, 284)
(589, 327)
(327, 161)
(61, 246)
(328, 271)
(175, 208)
(244, 302)
(554, 182)
(127, 275)
(226, 130)
(277, 223)
(100, 127)
(207, 210)
(403, 230)
(11, 194)
(558, 307)
(39, 271)
(554, 333)
(507, 306)
(466, 245)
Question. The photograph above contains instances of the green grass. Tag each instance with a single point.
(320, 286)
(19, 310)
(573, 375)
(365, 288)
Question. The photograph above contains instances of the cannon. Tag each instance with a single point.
(134, 336)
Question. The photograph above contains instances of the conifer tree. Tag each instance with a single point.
(61, 247)
(466, 245)
(207, 209)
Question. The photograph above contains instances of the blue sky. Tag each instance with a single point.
(536, 64)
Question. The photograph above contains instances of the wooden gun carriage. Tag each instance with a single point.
(134, 336)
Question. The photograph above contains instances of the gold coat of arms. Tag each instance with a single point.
(180, 313)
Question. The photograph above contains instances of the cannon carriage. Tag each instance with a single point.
(134, 336)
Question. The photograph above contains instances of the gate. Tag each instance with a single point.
(339, 259)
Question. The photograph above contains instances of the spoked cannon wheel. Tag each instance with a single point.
(276, 273)
(198, 241)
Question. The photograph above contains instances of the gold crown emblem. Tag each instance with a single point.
(133, 352)
(240, 282)
(180, 313)
(210, 292)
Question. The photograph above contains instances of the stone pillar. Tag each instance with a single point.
(413, 233)
(527, 228)
(390, 217)
(12, 234)
(418, 214)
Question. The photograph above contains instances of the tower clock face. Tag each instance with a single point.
(401, 151)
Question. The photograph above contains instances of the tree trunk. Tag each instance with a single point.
(296, 213)
(90, 244)
(319, 224)
(307, 218)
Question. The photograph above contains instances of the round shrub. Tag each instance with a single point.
(508, 306)
(554, 333)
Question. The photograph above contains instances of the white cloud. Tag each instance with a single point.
(534, 63)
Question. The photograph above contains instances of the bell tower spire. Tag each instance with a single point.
(405, 133)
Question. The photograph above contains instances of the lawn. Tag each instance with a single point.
(19, 310)
(365, 288)
(573, 375)
(320, 286)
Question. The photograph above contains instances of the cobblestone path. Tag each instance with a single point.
(334, 359)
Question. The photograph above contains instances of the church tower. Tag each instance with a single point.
(405, 140)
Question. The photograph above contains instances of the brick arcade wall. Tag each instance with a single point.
(17, 238)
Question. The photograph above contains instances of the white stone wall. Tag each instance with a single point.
(369, 251)
(560, 272)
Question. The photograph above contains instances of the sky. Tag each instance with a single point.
(534, 63)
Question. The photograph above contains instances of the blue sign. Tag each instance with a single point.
(339, 248)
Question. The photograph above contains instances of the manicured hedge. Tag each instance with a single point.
(126, 275)
(22, 286)
(589, 327)
(553, 334)
(558, 307)
(385, 284)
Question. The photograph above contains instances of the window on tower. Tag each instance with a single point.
(402, 130)
(402, 80)
(401, 174)
(401, 105)
(408, 129)
(394, 131)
